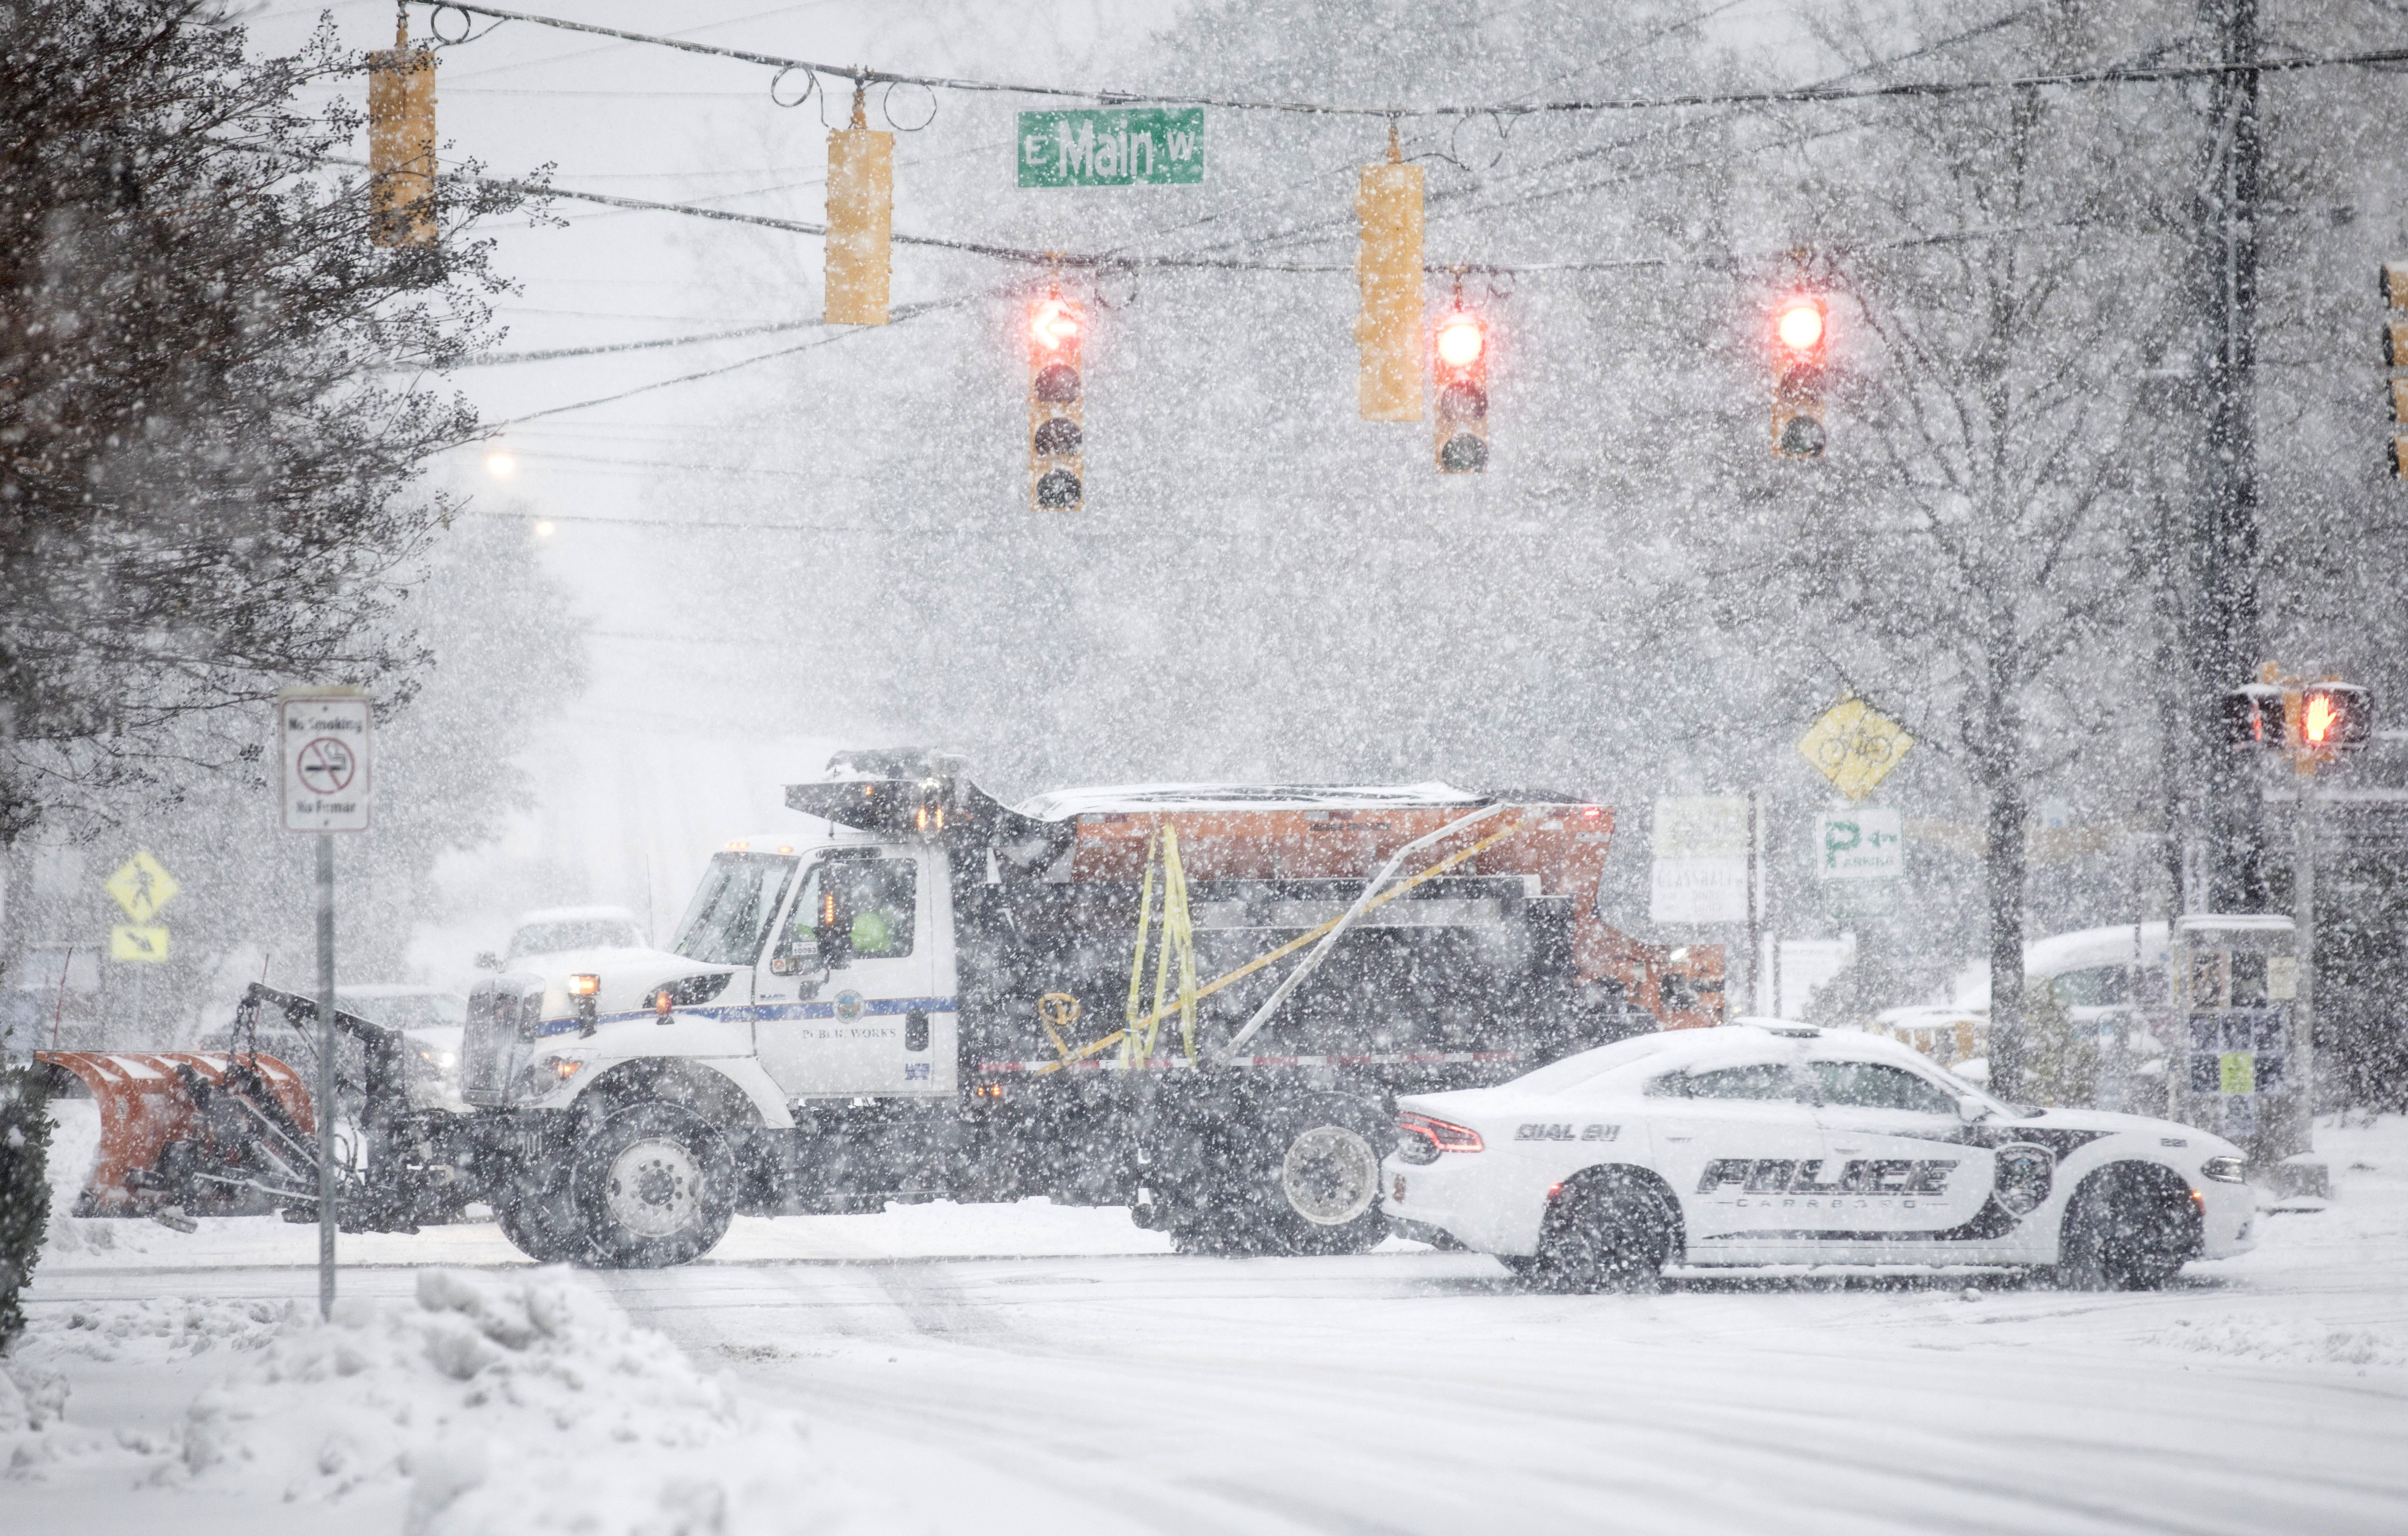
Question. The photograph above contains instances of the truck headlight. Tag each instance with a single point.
(2226, 1170)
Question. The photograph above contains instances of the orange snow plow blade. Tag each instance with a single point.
(179, 1126)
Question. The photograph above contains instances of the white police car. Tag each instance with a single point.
(1778, 1143)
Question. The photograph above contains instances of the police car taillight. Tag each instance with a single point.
(1419, 1138)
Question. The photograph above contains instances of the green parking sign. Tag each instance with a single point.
(1113, 147)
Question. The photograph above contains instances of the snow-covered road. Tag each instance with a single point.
(1028, 1369)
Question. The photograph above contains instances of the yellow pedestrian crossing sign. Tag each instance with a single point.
(140, 943)
(142, 885)
(1854, 745)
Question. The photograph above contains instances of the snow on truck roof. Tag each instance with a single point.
(908, 791)
(1063, 804)
(576, 915)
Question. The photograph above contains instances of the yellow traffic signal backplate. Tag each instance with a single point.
(1854, 745)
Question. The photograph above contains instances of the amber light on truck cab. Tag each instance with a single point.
(1419, 1138)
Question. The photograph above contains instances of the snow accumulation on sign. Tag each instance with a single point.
(1854, 745)
(1113, 147)
(1700, 874)
(323, 737)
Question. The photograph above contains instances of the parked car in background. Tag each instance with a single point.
(555, 930)
(2098, 977)
(431, 1016)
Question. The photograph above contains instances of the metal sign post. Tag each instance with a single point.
(322, 740)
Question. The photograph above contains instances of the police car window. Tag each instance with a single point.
(875, 898)
(1875, 1085)
(1764, 1080)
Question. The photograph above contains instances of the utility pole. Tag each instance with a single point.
(2221, 640)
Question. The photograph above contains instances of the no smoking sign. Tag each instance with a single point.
(324, 737)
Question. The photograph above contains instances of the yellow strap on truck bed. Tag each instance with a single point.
(1290, 948)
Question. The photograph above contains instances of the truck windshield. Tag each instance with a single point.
(732, 912)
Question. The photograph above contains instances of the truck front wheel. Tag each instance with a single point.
(533, 1207)
(655, 1185)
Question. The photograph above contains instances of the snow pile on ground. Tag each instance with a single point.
(2288, 1342)
(169, 1328)
(75, 1146)
(501, 1404)
(32, 1402)
(84, 1241)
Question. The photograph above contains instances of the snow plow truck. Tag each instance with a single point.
(1198, 1003)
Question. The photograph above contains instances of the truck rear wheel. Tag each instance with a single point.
(655, 1185)
(1310, 1183)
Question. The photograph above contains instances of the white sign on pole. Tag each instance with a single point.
(1807, 966)
(1700, 873)
(322, 736)
(1859, 845)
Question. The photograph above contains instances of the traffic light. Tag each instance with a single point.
(1056, 406)
(2312, 723)
(2253, 717)
(401, 143)
(860, 222)
(1461, 369)
(2332, 718)
(1799, 335)
(1388, 269)
(2395, 355)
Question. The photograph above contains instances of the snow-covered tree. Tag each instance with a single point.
(210, 417)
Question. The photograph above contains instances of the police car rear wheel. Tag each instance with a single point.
(1607, 1236)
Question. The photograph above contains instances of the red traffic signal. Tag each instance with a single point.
(1056, 406)
(1461, 344)
(2253, 715)
(1053, 327)
(1461, 340)
(1800, 328)
(2312, 722)
(1799, 324)
(2333, 717)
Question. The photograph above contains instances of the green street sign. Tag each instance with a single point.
(1113, 147)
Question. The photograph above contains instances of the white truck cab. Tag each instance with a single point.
(807, 967)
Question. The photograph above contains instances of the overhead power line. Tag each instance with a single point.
(901, 314)
(2110, 75)
(1083, 261)
(550, 354)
